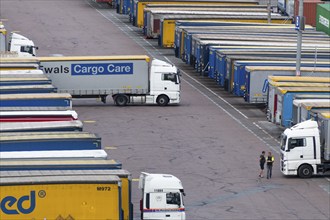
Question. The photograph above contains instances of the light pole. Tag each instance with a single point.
(300, 26)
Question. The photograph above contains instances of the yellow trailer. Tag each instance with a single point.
(60, 197)
(167, 26)
(125, 177)
(141, 4)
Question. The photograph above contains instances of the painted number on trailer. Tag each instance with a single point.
(103, 188)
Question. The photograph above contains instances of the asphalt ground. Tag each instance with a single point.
(211, 141)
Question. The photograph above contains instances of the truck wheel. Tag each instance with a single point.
(305, 171)
(121, 100)
(162, 100)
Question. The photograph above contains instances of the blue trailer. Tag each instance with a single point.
(37, 141)
(29, 165)
(27, 89)
(201, 53)
(240, 71)
(49, 101)
(256, 84)
(285, 97)
(228, 60)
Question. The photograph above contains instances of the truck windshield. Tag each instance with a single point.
(283, 141)
(173, 198)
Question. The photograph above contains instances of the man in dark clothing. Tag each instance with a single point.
(262, 161)
(270, 161)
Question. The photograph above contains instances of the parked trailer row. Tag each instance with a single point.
(45, 155)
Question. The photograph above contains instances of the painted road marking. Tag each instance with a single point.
(110, 148)
(89, 121)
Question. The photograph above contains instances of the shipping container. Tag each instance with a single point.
(309, 10)
(323, 18)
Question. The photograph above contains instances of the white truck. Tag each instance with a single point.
(305, 148)
(162, 197)
(15, 45)
(128, 79)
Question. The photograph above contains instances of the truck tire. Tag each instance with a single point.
(305, 171)
(162, 100)
(121, 100)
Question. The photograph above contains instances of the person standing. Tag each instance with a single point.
(270, 161)
(262, 161)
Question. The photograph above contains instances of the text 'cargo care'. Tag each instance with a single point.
(92, 69)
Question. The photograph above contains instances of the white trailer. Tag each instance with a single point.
(128, 79)
(162, 197)
(305, 148)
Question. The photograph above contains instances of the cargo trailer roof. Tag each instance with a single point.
(299, 84)
(35, 96)
(37, 126)
(20, 136)
(202, 1)
(54, 155)
(81, 179)
(288, 68)
(320, 104)
(59, 164)
(326, 115)
(285, 90)
(184, 5)
(17, 87)
(39, 113)
(299, 78)
(21, 173)
(94, 58)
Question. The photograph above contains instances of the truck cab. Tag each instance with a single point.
(164, 83)
(22, 45)
(162, 197)
(301, 150)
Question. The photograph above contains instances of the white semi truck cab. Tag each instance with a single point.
(17, 44)
(305, 149)
(162, 197)
(22, 45)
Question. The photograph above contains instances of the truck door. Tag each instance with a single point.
(156, 207)
(173, 205)
(295, 146)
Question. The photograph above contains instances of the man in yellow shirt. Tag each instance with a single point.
(270, 161)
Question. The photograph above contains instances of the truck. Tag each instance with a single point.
(128, 79)
(15, 45)
(162, 197)
(305, 148)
